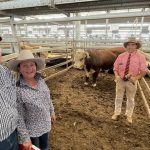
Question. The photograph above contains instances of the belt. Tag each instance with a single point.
(125, 79)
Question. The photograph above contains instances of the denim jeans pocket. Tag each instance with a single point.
(10, 143)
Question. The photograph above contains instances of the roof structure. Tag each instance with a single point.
(36, 7)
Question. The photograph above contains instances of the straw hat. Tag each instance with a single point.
(23, 56)
(133, 40)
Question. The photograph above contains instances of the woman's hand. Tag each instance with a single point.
(27, 145)
(53, 118)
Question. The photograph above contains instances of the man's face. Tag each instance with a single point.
(131, 47)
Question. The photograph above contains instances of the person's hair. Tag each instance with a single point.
(0, 38)
(19, 65)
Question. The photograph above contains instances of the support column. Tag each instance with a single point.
(106, 31)
(142, 21)
(135, 27)
(15, 40)
(141, 27)
(85, 30)
(26, 30)
(77, 30)
(47, 30)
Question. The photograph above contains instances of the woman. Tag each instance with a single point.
(35, 108)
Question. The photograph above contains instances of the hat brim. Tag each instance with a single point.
(13, 64)
(138, 44)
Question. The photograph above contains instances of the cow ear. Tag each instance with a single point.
(87, 55)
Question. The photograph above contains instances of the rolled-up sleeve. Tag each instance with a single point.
(51, 107)
(22, 130)
(116, 65)
(143, 66)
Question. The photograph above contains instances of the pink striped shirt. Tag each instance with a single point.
(137, 63)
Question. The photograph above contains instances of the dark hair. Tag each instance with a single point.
(19, 65)
(0, 38)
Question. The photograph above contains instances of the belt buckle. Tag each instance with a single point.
(125, 79)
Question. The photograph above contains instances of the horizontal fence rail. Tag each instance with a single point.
(63, 53)
(142, 84)
(143, 95)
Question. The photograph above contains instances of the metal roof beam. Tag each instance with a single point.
(22, 4)
(110, 6)
(53, 6)
(34, 3)
(3, 13)
(4, 20)
(92, 17)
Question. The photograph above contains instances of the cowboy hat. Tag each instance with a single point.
(23, 56)
(133, 40)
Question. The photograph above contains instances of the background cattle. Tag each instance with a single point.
(96, 60)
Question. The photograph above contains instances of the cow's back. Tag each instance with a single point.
(103, 59)
(117, 50)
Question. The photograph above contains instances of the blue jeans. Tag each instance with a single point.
(41, 142)
(11, 143)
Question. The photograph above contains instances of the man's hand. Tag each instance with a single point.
(133, 79)
(117, 78)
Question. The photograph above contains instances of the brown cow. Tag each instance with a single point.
(96, 60)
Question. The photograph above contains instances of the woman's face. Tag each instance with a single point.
(27, 69)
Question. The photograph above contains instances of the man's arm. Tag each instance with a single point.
(139, 76)
(117, 77)
(143, 69)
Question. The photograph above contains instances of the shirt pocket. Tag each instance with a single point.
(135, 63)
(134, 67)
(9, 92)
(121, 67)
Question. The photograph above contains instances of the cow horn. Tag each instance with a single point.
(87, 54)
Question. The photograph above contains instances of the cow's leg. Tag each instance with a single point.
(87, 72)
(95, 75)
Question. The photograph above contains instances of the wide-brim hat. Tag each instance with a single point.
(133, 40)
(25, 55)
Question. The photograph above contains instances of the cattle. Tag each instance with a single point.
(96, 60)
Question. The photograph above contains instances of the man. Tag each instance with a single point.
(128, 68)
(8, 111)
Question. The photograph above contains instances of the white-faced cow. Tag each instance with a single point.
(96, 60)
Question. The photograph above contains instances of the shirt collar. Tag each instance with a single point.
(23, 82)
(132, 52)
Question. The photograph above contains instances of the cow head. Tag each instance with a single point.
(79, 59)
